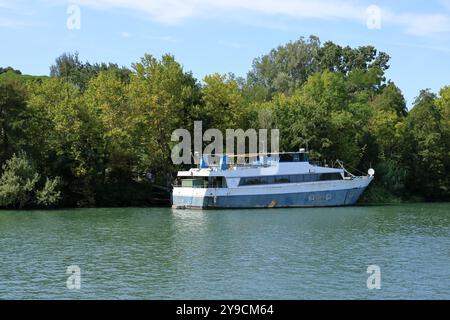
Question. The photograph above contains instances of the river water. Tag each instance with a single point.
(160, 253)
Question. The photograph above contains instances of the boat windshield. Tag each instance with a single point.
(294, 157)
(201, 182)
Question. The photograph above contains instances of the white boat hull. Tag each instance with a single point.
(312, 194)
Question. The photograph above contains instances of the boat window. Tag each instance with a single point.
(296, 178)
(330, 176)
(194, 182)
(294, 157)
(201, 182)
(217, 182)
(270, 180)
(304, 157)
(288, 157)
(282, 179)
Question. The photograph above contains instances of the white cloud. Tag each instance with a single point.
(176, 11)
(16, 15)
(419, 24)
(420, 46)
(166, 11)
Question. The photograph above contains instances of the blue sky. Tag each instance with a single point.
(223, 36)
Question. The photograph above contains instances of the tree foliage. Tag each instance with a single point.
(287, 68)
(19, 185)
(428, 136)
(69, 67)
(10, 69)
(13, 116)
(103, 131)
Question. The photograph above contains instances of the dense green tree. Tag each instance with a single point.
(443, 103)
(390, 99)
(344, 60)
(71, 143)
(322, 117)
(389, 130)
(69, 67)
(388, 121)
(222, 103)
(287, 67)
(10, 69)
(50, 194)
(19, 184)
(301, 124)
(429, 157)
(365, 84)
(325, 119)
(115, 120)
(13, 116)
(165, 97)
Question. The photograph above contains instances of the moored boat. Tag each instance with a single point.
(270, 181)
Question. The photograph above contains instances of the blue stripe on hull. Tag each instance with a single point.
(306, 199)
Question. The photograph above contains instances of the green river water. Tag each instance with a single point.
(161, 253)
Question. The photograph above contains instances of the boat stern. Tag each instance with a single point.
(189, 198)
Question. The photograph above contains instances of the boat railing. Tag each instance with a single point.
(234, 166)
(264, 159)
(327, 164)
